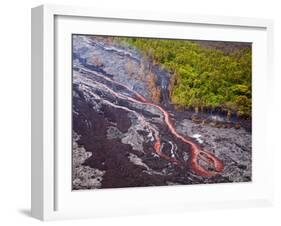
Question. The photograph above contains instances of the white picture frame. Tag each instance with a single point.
(51, 198)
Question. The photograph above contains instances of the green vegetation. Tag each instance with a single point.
(202, 78)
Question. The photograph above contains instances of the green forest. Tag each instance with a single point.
(202, 78)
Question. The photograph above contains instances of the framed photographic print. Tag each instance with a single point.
(137, 112)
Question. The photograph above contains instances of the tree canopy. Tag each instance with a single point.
(202, 77)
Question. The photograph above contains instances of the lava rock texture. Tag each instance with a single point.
(125, 137)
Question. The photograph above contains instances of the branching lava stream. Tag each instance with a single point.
(196, 151)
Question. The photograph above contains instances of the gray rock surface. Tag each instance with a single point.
(83, 177)
(232, 146)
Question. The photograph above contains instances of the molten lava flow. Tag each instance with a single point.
(197, 153)
(141, 119)
(157, 148)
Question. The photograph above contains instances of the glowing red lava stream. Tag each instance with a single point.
(196, 152)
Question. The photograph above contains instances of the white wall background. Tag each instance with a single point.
(15, 112)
